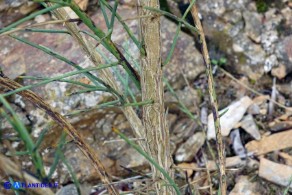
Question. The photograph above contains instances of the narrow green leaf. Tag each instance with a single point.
(187, 25)
(57, 154)
(103, 105)
(41, 137)
(25, 137)
(182, 107)
(31, 16)
(114, 11)
(58, 78)
(102, 7)
(125, 26)
(147, 156)
(89, 90)
(286, 191)
(72, 173)
(178, 29)
(223, 112)
(93, 78)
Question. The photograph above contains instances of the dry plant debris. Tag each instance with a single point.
(277, 141)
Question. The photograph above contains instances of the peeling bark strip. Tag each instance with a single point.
(83, 146)
(157, 133)
(213, 99)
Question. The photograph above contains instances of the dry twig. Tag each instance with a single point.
(213, 99)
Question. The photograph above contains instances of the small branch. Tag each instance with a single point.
(213, 99)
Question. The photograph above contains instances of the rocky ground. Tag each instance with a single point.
(250, 44)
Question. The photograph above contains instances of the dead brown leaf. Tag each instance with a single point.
(82, 4)
(271, 143)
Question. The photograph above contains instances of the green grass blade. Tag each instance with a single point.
(178, 29)
(117, 73)
(169, 56)
(72, 173)
(188, 9)
(102, 7)
(182, 107)
(108, 44)
(25, 137)
(187, 25)
(19, 153)
(125, 26)
(93, 78)
(139, 103)
(58, 78)
(31, 16)
(114, 11)
(89, 90)
(57, 155)
(103, 105)
(286, 191)
(41, 137)
(53, 1)
(52, 31)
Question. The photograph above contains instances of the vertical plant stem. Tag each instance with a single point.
(213, 99)
(105, 74)
(152, 89)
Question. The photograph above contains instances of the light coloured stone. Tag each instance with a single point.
(234, 114)
(188, 150)
(244, 187)
(249, 125)
(275, 172)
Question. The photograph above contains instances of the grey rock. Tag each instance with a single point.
(217, 7)
(249, 125)
(272, 19)
(252, 25)
(237, 145)
(284, 53)
(182, 130)
(268, 40)
(236, 4)
(270, 62)
(189, 97)
(249, 57)
(12, 10)
(72, 190)
(244, 186)
(188, 150)
(68, 190)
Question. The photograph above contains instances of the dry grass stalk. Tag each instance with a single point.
(157, 133)
(213, 99)
(58, 118)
